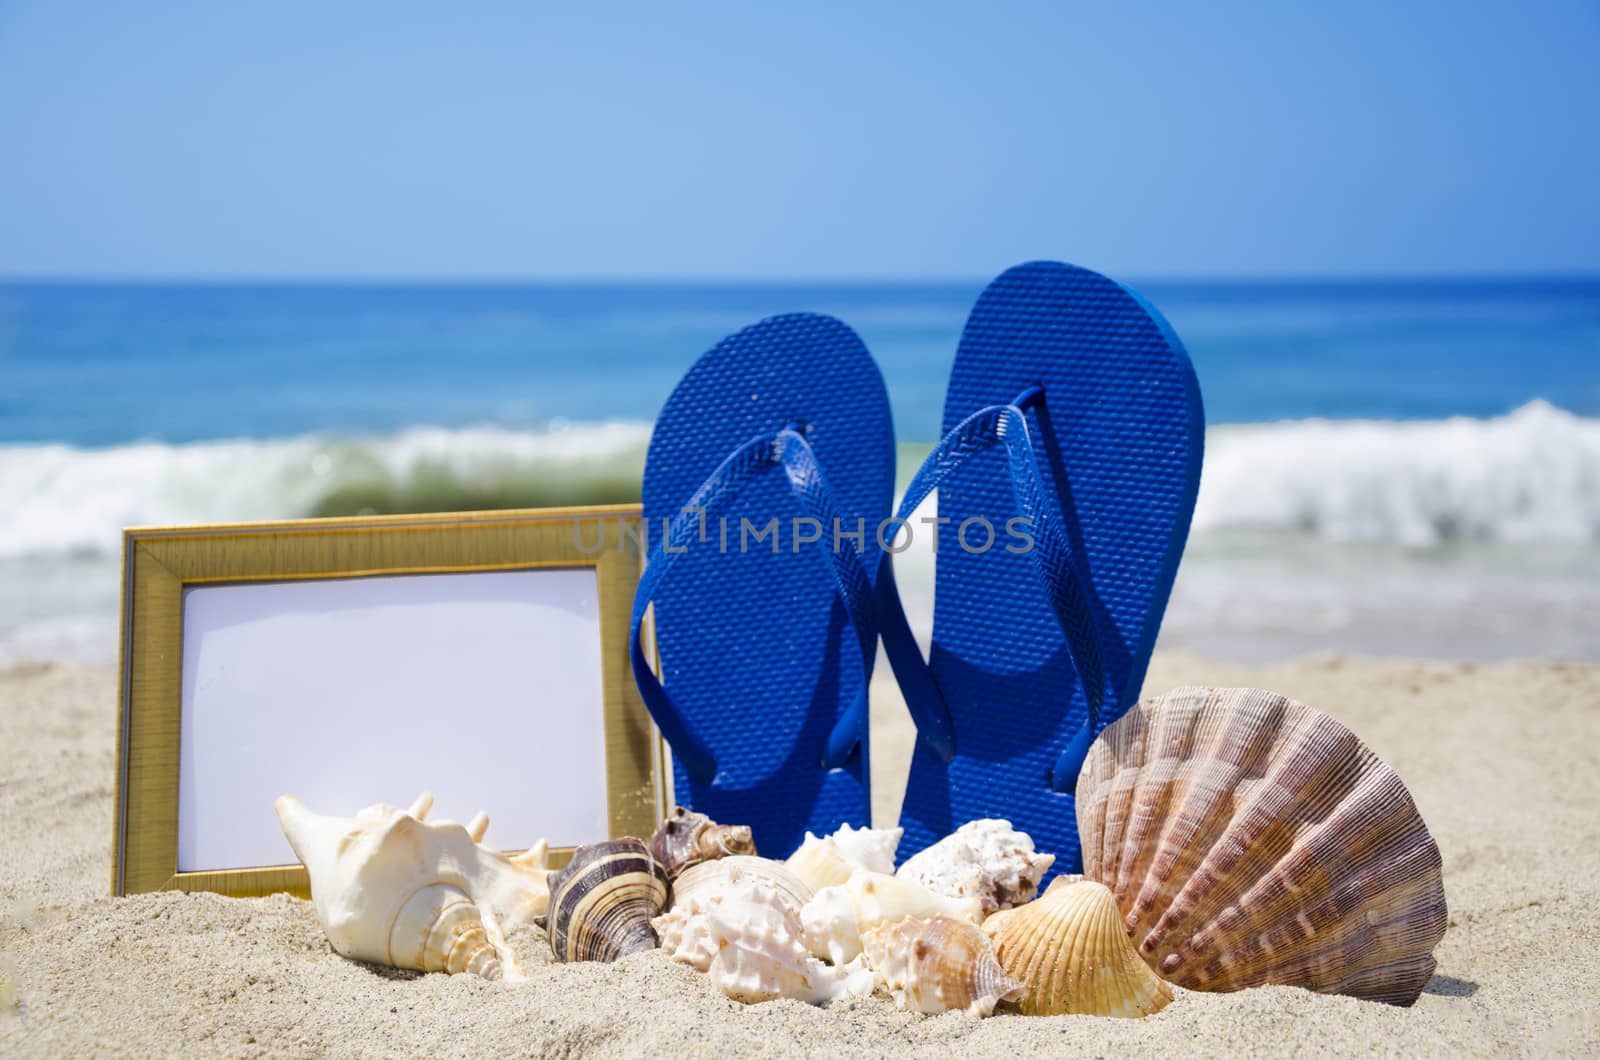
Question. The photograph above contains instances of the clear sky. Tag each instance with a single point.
(747, 140)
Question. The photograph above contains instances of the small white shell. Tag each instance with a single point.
(833, 859)
(985, 859)
(753, 936)
(833, 922)
(698, 884)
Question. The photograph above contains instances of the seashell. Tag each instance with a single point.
(936, 964)
(602, 902)
(1250, 839)
(391, 888)
(686, 937)
(834, 921)
(985, 859)
(688, 838)
(695, 886)
(754, 936)
(1070, 950)
(833, 859)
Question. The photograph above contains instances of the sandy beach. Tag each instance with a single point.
(1503, 759)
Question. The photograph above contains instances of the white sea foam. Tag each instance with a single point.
(1532, 475)
(59, 499)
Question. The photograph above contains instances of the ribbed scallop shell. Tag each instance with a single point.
(1069, 948)
(696, 885)
(938, 964)
(1250, 839)
(687, 838)
(602, 902)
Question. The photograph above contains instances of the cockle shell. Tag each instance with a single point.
(834, 921)
(687, 838)
(985, 859)
(698, 883)
(937, 964)
(1250, 839)
(754, 937)
(392, 888)
(833, 859)
(1070, 950)
(602, 902)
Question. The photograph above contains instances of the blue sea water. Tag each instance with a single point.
(1402, 466)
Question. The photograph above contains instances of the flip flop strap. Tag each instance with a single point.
(788, 450)
(1059, 569)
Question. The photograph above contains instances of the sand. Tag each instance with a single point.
(1504, 761)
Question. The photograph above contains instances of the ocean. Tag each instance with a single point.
(1397, 467)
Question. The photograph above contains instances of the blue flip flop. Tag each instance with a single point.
(1068, 473)
(769, 471)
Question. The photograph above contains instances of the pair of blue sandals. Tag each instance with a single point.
(1066, 479)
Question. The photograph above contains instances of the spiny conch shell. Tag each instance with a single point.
(937, 964)
(833, 859)
(687, 838)
(1250, 839)
(1070, 950)
(602, 902)
(392, 889)
(985, 859)
(755, 937)
(834, 921)
(695, 886)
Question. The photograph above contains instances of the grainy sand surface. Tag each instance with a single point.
(1504, 761)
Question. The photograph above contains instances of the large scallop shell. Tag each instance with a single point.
(392, 888)
(937, 964)
(1250, 839)
(602, 903)
(985, 859)
(696, 885)
(687, 838)
(1069, 948)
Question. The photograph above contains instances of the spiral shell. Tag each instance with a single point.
(602, 903)
(1068, 946)
(937, 964)
(687, 838)
(835, 920)
(754, 936)
(696, 885)
(1250, 839)
(392, 888)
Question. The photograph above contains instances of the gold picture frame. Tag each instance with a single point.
(160, 563)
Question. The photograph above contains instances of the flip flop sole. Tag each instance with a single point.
(754, 646)
(1128, 430)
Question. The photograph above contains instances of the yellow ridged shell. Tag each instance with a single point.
(1069, 947)
(1249, 839)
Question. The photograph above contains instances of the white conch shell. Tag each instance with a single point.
(698, 884)
(686, 937)
(391, 889)
(985, 859)
(938, 964)
(834, 921)
(758, 953)
(833, 859)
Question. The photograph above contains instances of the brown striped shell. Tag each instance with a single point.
(602, 902)
(1250, 840)
(687, 838)
(1069, 948)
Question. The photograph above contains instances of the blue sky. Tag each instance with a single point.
(826, 140)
